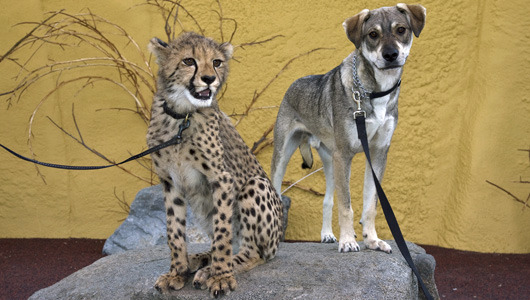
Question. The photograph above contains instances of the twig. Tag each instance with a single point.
(253, 43)
(304, 188)
(525, 203)
(12, 49)
(162, 8)
(220, 14)
(82, 142)
(296, 182)
(234, 114)
(262, 139)
(124, 206)
(267, 142)
(522, 181)
(526, 150)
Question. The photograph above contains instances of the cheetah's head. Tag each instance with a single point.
(192, 68)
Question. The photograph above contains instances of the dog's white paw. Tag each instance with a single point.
(350, 246)
(379, 245)
(327, 238)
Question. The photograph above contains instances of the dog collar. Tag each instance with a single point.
(382, 94)
(363, 93)
(173, 113)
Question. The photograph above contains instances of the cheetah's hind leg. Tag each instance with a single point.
(260, 211)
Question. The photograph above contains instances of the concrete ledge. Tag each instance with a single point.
(299, 271)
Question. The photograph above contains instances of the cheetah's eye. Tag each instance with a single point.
(189, 61)
(217, 63)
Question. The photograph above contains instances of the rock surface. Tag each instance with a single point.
(299, 271)
(146, 224)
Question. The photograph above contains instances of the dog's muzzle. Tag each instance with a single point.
(390, 54)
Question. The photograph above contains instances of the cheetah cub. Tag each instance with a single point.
(210, 169)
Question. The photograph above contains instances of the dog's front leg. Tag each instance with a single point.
(341, 173)
(370, 237)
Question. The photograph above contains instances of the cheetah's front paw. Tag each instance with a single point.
(168, 282)
(221, 284)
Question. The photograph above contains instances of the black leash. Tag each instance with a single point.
(173, 141)
(360, 117)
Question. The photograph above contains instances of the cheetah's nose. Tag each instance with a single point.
(208, 79)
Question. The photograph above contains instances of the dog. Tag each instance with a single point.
(317, 111)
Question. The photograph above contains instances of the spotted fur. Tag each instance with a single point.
(211, 170)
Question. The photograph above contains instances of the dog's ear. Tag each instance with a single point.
(353, 27)
(417, 15)
(160, 49)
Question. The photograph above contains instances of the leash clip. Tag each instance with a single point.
(183, 126)
(357, 100)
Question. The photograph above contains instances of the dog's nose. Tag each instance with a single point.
(390, 54)
(208, 79)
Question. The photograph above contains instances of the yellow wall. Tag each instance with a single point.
(464, 113)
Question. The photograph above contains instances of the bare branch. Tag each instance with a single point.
(14, 47)
(82, 143)
(220, 14)
(254, 43)
(262, 139)
(304, 188)
(124, 206)
(525, 203)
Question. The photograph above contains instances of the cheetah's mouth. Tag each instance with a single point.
(205, 94)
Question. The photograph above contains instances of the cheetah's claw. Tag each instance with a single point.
(221, 285)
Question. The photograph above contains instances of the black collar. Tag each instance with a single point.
(382, 94)
(173, 113)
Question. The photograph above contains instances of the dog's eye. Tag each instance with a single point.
(189, 61)
(401, 30)
(373, 34)
(217, 63)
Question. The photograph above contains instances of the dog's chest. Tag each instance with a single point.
(380, 106)
(381, 121)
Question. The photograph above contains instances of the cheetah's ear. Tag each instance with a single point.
(159, 48)
(227, 49)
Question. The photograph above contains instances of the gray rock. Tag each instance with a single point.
(286, 201)
(146, 224)
(299, 271)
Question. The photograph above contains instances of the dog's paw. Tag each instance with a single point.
(328, 238)
(221, 284)
(349, 246)
(202, 275)
(377, 244)
(168, 283)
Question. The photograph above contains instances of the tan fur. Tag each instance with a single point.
(211, 170)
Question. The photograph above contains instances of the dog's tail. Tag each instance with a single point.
(305, 150)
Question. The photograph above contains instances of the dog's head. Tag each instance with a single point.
(384, 35)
